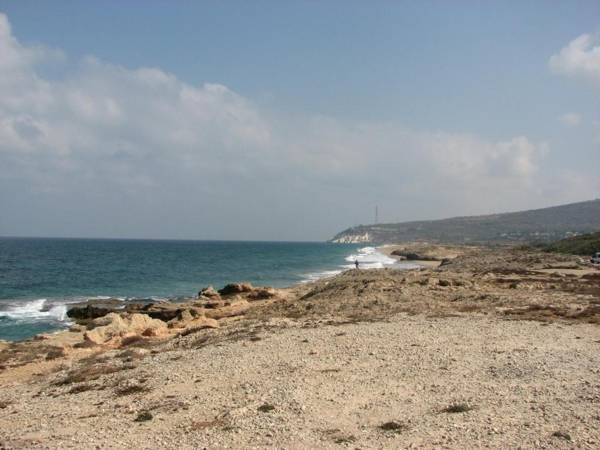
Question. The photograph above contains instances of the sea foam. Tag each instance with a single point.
(370, 258)
(34, 310)
(367, 257)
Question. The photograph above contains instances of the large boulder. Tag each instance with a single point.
(112, 328)
(209, 292)
(236, 288)
(186, 316)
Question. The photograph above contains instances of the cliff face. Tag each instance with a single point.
(545, 225)
(351, 238)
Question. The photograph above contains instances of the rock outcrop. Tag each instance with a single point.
(114, 323)
(412, 256)
(236, 288)
(235, 308)
(164, 311)
(198, 325)
(209, 292)
(112, 328)
(262, 293)
(92, 309)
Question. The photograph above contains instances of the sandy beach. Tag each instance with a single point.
(494, 348)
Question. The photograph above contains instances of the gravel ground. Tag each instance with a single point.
(408, 382)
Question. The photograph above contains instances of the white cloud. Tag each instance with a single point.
(570, 119)
(109, 150)
(580, 58)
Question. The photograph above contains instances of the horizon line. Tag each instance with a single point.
(92, 238)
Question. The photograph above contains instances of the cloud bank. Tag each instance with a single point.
(112, 151)
(580, 58)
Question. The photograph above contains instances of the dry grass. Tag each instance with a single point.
(562, 435)
(586, 313)
(132, 389)
(132, 340)
(81, 388)
(204, 424)
(458, 408)
(90, 373)
(144, 416)
(348, 439)
(266, 408)
(22, 353)
(393, 426)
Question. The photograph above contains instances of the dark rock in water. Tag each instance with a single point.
(92, 309)
(411, 256)
(236, 288)
(406, 255)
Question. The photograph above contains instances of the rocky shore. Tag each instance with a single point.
(484, 347)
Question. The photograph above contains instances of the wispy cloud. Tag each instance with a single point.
(570, 119)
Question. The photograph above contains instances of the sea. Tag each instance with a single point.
(40, 277)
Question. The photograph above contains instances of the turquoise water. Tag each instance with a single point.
(38, 277)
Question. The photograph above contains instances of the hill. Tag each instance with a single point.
(586, 244)
(541, 225)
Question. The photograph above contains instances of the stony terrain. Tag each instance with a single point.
(494, 348)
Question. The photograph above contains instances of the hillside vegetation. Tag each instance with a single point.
(586, 244)
(539, 225)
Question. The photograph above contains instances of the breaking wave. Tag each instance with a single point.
(34, 310)
(367, 257)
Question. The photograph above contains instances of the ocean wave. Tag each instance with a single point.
(367, 257)
(43, 309)
(35, 310)
(370, 258)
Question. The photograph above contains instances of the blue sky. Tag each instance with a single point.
(430, 109)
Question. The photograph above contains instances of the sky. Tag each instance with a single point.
(272, 120)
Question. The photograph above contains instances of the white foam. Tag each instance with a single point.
(370, 258)
(34, 310)
(367, 257)
(320, 275)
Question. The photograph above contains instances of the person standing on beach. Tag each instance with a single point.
(356, 263)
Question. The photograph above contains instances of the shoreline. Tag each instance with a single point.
(46, 304)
